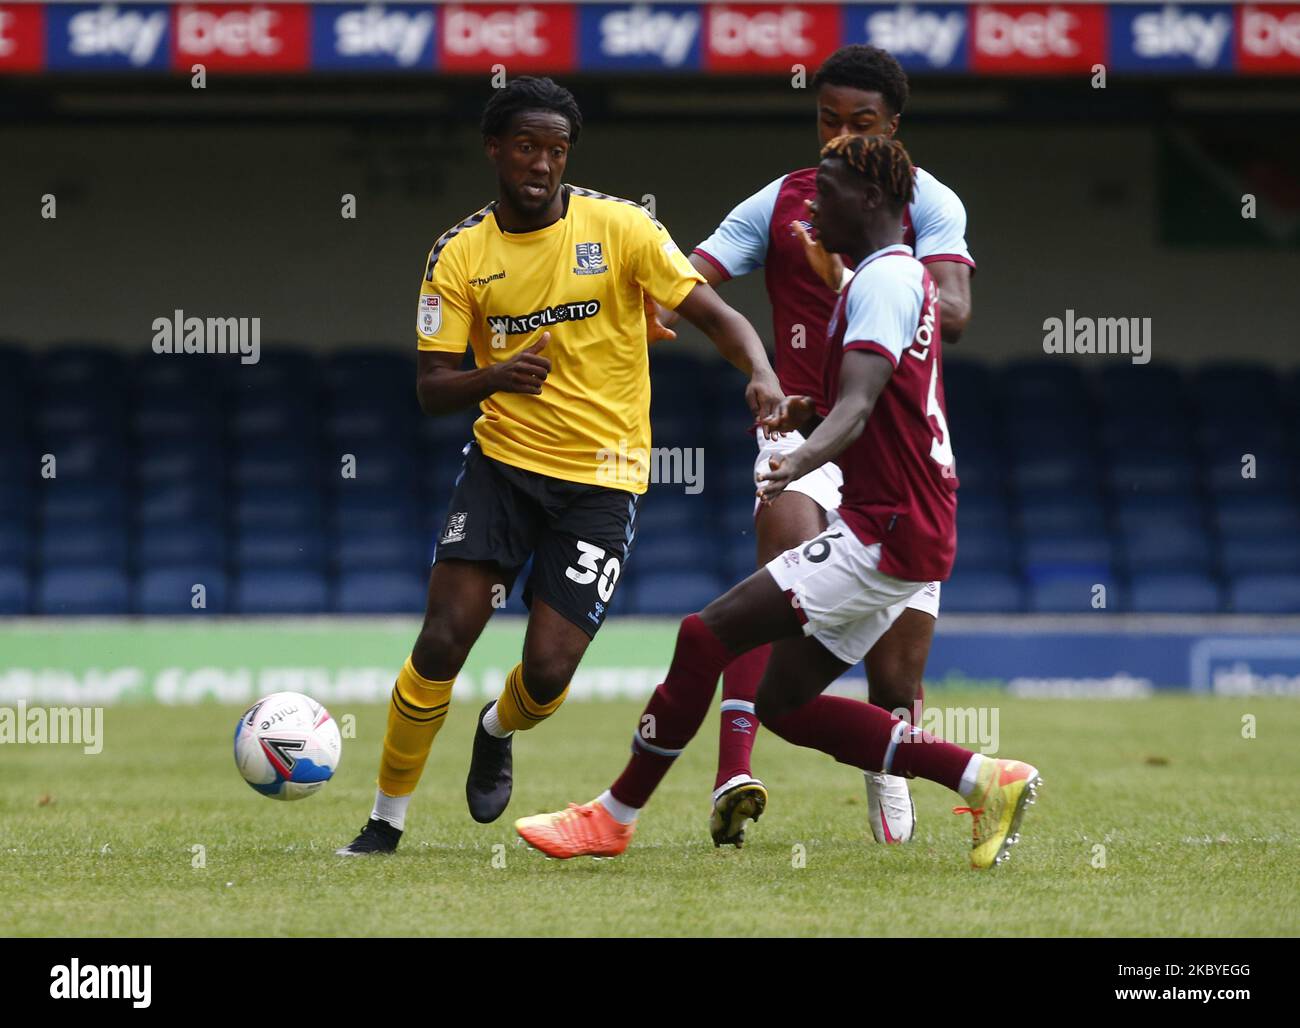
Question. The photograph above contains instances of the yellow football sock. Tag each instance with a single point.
(516, 710)
(415, 713)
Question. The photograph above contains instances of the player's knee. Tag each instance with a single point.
(770, 707)
(438, 654)
(546, 675)
(893, 686)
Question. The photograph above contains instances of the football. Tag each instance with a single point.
(287, 746)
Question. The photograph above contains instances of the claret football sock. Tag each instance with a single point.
(739, 723)
(872, 739)
(515, 709)
(675, 711)
(416, 712)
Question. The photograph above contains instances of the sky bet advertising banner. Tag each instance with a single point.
(713, 38)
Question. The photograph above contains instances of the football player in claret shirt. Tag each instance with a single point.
(548, 285)
(825, 603)
(860, 90)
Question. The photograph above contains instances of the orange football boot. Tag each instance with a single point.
(588, 830)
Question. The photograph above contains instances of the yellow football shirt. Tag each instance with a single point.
(581, 279)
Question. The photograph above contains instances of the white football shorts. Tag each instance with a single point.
(845, 603)
(823, 486)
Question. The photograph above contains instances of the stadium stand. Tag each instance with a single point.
(311, 483)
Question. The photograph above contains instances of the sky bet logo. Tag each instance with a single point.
(372, 36)
(126, 36)
(1148, 37)
(640, 36)
(926, 36)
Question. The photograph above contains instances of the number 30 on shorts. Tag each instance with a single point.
(589, 567)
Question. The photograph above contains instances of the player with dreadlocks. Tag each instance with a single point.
(862, 91)
(824, 604)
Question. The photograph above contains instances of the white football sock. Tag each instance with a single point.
(971, 775)
(391, 808)
(620, 812)
(492, 724)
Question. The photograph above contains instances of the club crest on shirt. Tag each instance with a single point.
(430, 314)
(591, 259)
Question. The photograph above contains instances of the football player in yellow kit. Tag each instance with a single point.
(548, 285)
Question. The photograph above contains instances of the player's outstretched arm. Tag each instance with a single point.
(443, 388)
(660, 320)
(862, 376)
(736, 340)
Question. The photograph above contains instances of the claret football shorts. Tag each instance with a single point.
(579, 536)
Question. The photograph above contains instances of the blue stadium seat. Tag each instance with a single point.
(376, 511)
(739, 557)
(387, 465)
(1271, 471)
(1049, 554)
(17, 541)
(379, 551)
(15, 591)
(268, 548)
(93, 589)
(278, 463)
(1247, 515)
(1153, 472)
(1063, 471)
(180, 544)
(81, 544)
(990, 550)
(381, 592)
(179, 415)
(1265, 594)
(676, 593)
(68, 418)
(171, 590)
(982, 592)
(667, 510)
(1165, 548)
(62, 501)
(94, 460)
(80, 369)
(675, 552)
(1073, 514)
(1261, 555)
(1136, 513)
(370, 371)
(1174, 594)
(180, 503)
(980, 510)
(168, 461)
(1070, 594)
(281, 592)
(273, 507)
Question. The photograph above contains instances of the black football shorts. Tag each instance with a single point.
(578, 535)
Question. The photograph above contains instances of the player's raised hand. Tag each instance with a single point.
(655, 330)
(781, 472)
(525, 371)
(790, 415)
(829, 267)
(764, 396)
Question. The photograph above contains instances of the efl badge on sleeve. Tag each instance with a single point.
(430, 316)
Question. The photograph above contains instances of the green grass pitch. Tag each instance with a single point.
(1200, 829)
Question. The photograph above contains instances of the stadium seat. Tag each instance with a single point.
(674, 552)
(985, 551)
(265, 548)
(676, 593)
(1174, 594)
(274, 507)
(171, 591)
(381, 592)
(280, 592)
(15, 591)
(1261, 555)
(78, 544)
(982, 592)
(180, 544)
(89, 590)
(1245, 516)
(378, 551)
(1166, 548)
(1071, 594)
(1153, 472)
(17, 541)
(183, 503)
(1265, 594)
